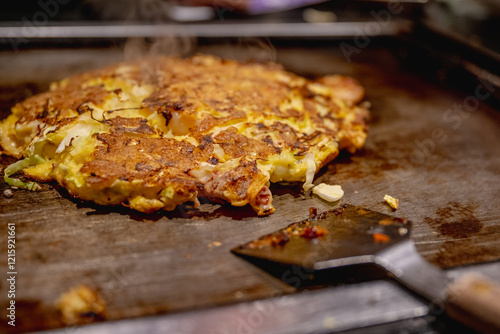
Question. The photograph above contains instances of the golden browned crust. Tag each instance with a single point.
(166, 130)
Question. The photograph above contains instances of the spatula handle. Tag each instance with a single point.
(475, 301)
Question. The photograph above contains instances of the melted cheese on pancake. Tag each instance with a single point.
(156, 133)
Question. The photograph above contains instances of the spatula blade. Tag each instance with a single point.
(348, 234)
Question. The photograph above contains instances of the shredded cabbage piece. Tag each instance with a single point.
(311, 169)
(18, 166)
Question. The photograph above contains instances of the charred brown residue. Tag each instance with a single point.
(313, 232)
(462, 252)
(340, 210)
(483, 247)
(205, 141)
(213, 161)
(337, 211)
(140, 166)
(313, 212)
(277, 239)
(306, 229)
(456, 221)
(130, 125)
(83, 108)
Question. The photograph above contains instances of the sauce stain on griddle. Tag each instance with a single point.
(456, 221)
(463, 252)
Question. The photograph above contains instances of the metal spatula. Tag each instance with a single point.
(351, 235)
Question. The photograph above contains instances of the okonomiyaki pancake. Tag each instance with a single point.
(159, 132)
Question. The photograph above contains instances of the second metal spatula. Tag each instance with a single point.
(351, 235)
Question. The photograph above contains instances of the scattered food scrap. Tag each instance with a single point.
(379, 237)
(214, 244)
(339, 210)
(386, 221)
(8, 193)
(313, 212)
(328, 192)
(402, 231)
(81, 305)
(312, 232)
(393, 202)
(302, 230)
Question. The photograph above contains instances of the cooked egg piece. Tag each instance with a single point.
(328, 192)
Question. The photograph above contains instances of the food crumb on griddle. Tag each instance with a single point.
(313, 232)
(393, 202)
(214, 243)
(8, 193)
(269, 240)
(302, 229)
(81, 305)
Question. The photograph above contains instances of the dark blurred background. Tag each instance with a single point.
(477, 22)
